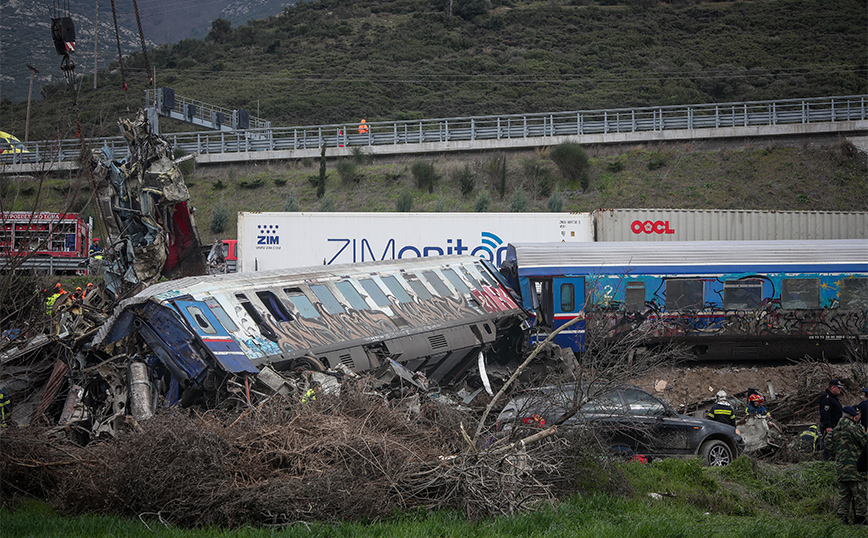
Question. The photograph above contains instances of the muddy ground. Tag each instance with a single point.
(792, 388)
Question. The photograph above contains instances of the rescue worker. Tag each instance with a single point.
(5, 410)
(53, 297)
(87, 289)
(722, 410)
(830, 410)
(95, 250)
(863, 407)
(310, 394)
(810, 440)
(78, 295)
(363, 126)
(756, 406)
(845, 442)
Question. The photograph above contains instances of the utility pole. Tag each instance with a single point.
(95, 49)
(29, 94)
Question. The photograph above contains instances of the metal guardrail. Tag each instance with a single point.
(481, 128)
(50, 265)
(201, 113)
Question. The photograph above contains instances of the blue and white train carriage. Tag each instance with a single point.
(723, 299)
(431, 315)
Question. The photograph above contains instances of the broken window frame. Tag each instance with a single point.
(254, 314)
(418, 287)
(274, 305)
(437, 283)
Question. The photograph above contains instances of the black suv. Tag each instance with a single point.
(628, 419)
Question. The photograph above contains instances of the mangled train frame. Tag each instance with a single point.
(426, 320)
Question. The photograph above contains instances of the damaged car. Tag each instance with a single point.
(626, 420)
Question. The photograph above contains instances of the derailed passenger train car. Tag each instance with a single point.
(427, 318)
(726, 300)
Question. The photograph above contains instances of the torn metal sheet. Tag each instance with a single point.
(145, 205)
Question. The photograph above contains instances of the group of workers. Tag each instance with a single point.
(842, 436)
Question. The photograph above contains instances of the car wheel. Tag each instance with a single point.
(715, 453)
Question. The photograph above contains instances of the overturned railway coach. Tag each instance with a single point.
(725, 300)
(390, 318)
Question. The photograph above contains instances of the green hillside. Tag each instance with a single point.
(335, 61)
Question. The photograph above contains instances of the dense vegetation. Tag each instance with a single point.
(666, 498)
(334, 61)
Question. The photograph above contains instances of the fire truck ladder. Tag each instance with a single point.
(164, 102)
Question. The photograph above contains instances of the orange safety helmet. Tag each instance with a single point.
(757, 398)
(78, 288)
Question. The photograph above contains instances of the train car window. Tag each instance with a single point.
(800, 293)
(684, 294)
(352, 295)
(397, 290)
(328, 300)
(257, 319)
(568, 297)
(472, 280)
(853, 294)
(274, 305)
(456, 281)
(201, 320)
(418, 287)
(438, 285)
(485, 275)
(302, 303)
(634, 297)
(742, 294)
(221, 315)
(375, 292)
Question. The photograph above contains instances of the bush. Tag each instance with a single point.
(555, 203)
(348, 172)
(251, 184)
(615, 166)
(220, 218)
(424, 174)
(218, 185)
(327, 205)
(572, 161)
(279, 181)
(465, 179)
(361, 157)
(290, 204)
(404, 203)
(518, 202)
(482, 203)
(657, 161)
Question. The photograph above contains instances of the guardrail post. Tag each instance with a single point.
(605, 122)
(472, 129)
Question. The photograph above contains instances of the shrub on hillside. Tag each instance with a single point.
(555, 203)
(404, 203)
(220, 218)
(424, 174)
(482, 203)
(572, 161)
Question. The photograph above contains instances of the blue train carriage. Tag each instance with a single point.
(397, 317)
(726, 300)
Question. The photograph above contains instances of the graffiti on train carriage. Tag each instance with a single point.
(723, 299)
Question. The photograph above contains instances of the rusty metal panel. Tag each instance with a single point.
(727, 225)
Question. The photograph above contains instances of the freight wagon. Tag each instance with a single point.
(723, 299)
(434, 317)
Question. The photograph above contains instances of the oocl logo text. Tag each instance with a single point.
(651, 227)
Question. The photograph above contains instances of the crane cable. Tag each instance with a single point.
(120, 54)
(142, 39)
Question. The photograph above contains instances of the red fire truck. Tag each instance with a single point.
(62, 235)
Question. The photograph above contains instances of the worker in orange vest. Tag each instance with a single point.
(363, 127)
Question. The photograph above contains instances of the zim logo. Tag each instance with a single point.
(267, 234)
(651, 227)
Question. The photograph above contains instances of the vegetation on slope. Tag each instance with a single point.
(335, 61)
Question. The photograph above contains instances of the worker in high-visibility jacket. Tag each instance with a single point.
(53, 297)
(95, 251)
(722, 410)
(5, 410)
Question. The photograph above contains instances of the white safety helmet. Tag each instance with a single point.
(721, 395)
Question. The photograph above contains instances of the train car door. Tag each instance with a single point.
(218, 340)
(568, 299)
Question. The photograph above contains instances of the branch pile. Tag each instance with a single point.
(347, 457)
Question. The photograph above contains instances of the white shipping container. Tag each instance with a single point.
(726, 225)
(284, 240)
